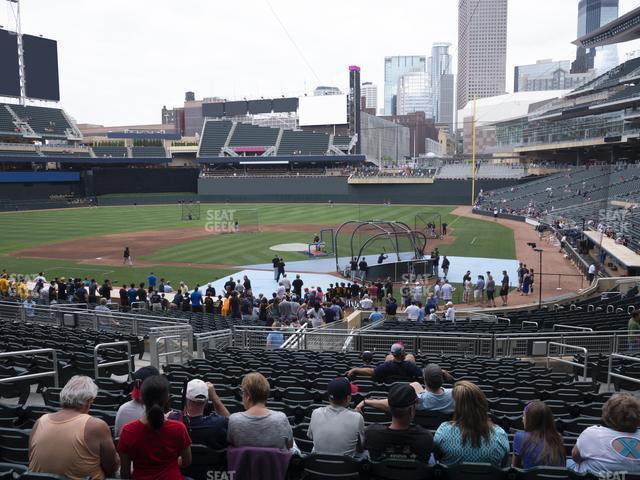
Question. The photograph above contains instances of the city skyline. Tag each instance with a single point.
(123, 68)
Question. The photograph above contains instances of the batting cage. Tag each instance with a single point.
(387, 246)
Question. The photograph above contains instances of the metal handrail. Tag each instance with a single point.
(529, 322)
(30, 376)
(97, 366)
(568, 362)
(572, 327)
(202, 338)
(610, 373)
(295, 338)
(504, 319)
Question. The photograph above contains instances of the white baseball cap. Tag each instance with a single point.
(197, 390)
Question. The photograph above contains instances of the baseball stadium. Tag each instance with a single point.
(298, 287)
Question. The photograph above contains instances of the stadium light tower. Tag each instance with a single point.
(16, 15)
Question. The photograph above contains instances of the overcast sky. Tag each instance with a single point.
(121, 60)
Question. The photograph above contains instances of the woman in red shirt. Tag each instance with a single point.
(157, 447)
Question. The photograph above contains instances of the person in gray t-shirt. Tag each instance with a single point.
(258, 426)
(133, 409)
(336, 430)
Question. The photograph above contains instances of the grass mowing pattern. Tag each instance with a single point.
(473, 237)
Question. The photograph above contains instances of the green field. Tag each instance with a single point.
(20, 230)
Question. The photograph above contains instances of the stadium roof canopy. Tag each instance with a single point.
(622, 29)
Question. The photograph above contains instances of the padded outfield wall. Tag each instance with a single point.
(336, 189)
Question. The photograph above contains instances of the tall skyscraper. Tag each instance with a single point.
(414, 94)
(439, 67)
(370, 94)
(593, 14)
(394, 68)
(548, 75)
(482, 49)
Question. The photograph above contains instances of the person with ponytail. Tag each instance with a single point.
(540, 444)
(156, 447)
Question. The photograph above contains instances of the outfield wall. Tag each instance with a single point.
(112, 180)
(336, 189)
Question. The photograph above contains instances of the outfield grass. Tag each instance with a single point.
(472, 237)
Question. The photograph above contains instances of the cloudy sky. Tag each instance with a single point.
(121, 60)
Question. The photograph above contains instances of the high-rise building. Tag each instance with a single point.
(370, 94)
(439, 68)
(414, 94)
(482, 49)
(548, 75)
(394, 68)
(593, 14)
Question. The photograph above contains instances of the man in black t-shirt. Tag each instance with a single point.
(353, 267)
(275, 261)
(398, 367)
(229, 285)
(363, 266)
(401, 439)
(392, 306)
(297, 286)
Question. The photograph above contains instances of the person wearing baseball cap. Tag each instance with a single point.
(335, 429)
(209, 430)
(134, 409)
(398, 366)
(433, 398)
(401, 439)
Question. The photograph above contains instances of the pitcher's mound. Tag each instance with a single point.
(290, 247)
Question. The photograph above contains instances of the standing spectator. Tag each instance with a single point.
(297, 286)
(591, 273)
(526, 283)
(142, 293)
(336, 430)
(152, 443)
(412, 312)
(275, 262)
(246, 283)
(134, 408)
(353, 266)
(446, 290)
(445, 264)
(258, 426)
(614, 447)
(281, 265)
(28, 306)
(363, 266)
(132, 294)
(478, 293)
(467, 293)
(151, 280)
(471, 436)
(520, 271)
(504, 288)
(401, 439)
(124, 298)
(105, 290)
(491, 290)
(127, 256)
(540, 444)
(417, 292)
(450, 313)
(196, 299)
(316, 315)
(70, 442)
(286, 283)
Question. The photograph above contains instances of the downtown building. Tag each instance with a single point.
(548, 75)
(442, 84)
(593, 14)
(482, 49)
(394, 68)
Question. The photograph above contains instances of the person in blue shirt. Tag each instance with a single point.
(275, 339)
(432, 304)
(375, 315)
(196, 300)
(151, 280)
(421, 313)
(132, 293)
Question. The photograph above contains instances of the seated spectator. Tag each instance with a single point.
(398, 366)
(401, 439)
(336, 430)
(156, 447)
(471, 436)
(209, 430)
(540, 444)
(432, 399)
(134, 409)
(612, 447)
(275, 338)
(366, 303)
(258, 426)
(70, 442)
(375, 315)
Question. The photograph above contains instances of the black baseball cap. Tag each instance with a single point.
(367, 356)
(402, 395)
(145, 372)
(339, 388)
